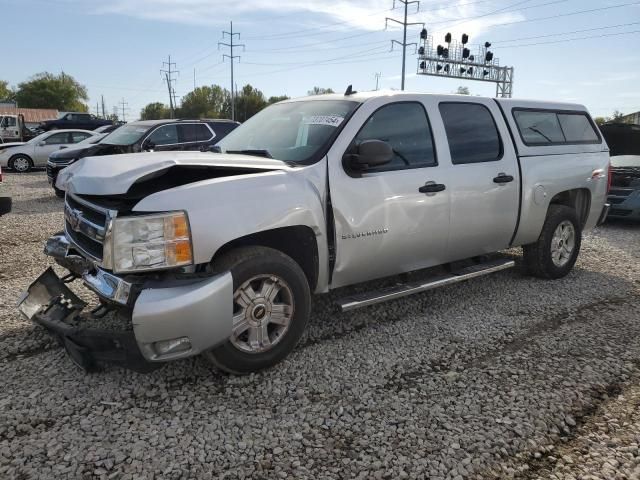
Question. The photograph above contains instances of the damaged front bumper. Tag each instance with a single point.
(171, 317)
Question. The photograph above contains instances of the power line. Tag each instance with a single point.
(565, 33)
(568, 14)
(305, 32)
(572, 39)
(231, 58)
(404, 24)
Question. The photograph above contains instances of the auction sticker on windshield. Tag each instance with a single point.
(331, 120)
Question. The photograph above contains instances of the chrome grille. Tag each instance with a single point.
(86, 225)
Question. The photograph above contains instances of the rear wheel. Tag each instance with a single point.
(271, 306)
(557, 248)
(21, 163)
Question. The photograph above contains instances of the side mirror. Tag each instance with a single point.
(5, 205)
(148, 146)
(42, 143)
(369, 153)
(215, 149)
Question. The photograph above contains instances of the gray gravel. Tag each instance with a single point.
(480, 380)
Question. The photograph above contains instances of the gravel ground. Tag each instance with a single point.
(501, 377)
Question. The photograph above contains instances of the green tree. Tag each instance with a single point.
(463, 91)
(205, 102)
(5, 91)
(249, 101)
(600, 120)
(319, 91)
(155, 111)
(276, 99)
(46, 90)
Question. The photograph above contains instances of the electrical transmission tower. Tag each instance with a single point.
(404, 24)
(168, 73)
(231, 45)
(124, 108)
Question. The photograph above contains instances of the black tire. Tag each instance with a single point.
(59, 193)
(538, 256)
(20, 156)
(246, 263)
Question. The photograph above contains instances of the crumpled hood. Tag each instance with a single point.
(6, 145)
(116, 174)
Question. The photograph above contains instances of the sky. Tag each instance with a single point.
(583, 51)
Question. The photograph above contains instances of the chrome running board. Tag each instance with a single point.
(397, 291)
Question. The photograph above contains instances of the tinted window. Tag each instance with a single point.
(538, 127)
(405, 127)
(58, 139)
(471, 132)
(577, 128)
(165, 135)
(195, 132)
(9, 122)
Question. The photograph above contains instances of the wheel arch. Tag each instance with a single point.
(578, 198)
(298, 242)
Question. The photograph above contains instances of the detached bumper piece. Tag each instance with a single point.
(50, 303)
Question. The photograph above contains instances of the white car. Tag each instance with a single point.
(34, 153)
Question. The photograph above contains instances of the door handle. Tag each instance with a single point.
(503, 178)
(431, 187)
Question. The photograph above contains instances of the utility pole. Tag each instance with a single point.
(377, 75)
(97, 110)
(194, 78)
(168, 73)
(231, 45)
(124, 104)
(404, 24)
(103, 115)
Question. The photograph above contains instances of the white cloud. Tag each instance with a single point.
(349, 14)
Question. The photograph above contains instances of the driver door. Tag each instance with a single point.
(385, 221)
(46, 147)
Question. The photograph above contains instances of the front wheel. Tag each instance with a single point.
(59, 193)
(556, 251)
(271, 306)
(21, 163)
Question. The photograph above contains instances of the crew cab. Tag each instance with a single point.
(145, 135)
(68, 120)
(219, 253)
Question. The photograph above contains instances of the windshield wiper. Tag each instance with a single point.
(536, 130)
(254, 152)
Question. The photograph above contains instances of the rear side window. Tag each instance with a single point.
(548, 127)
(405, 127)
(471, 132)
(195, 132)
(577, 128)
(538, 127)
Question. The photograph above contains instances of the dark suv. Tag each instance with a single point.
(81, 120)
(145, 135)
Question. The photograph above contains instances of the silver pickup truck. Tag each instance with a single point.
(219, 253)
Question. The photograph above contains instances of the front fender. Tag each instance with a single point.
(223, 209)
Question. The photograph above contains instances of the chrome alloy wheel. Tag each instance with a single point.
(563, 243)
(262, 312)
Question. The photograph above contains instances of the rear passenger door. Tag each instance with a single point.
(484, 182)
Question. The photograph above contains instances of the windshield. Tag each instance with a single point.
(126, 135)
(291, 131)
